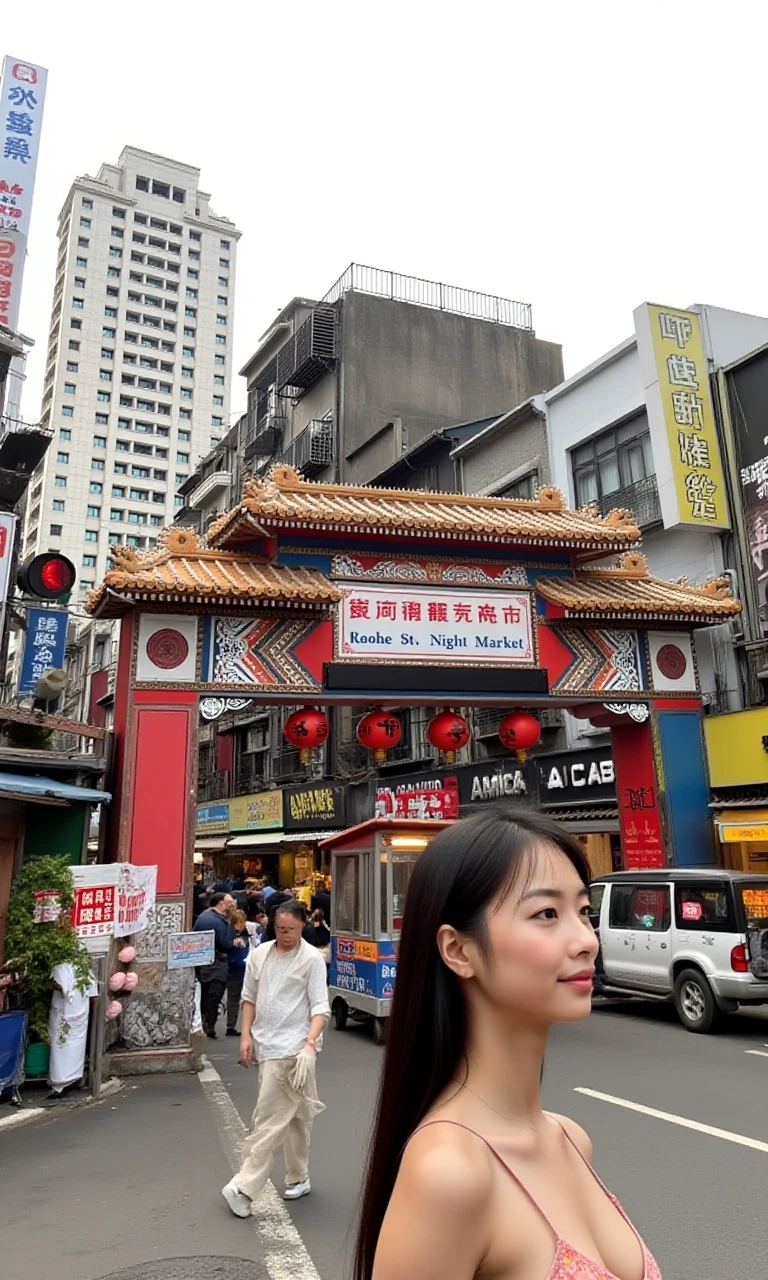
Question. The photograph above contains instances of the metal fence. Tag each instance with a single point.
(430, 293)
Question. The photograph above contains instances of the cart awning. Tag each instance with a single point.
(42, 790)
(211, 845)
(253, 839)
(736, 826)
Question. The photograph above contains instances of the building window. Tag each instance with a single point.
(217, 421)
(97, 464)
(111, 312)
(221, 340)
(99, 442)
(181, 477)
(218, 379)
(118, 213)
(185, 393)
(65, 433)
(118, 490)
(224, 263)
(58, 504)
(525, 487)
(93, 513)
(160, 453)
(85, 223)
(187, 372)
(102, 419)
(69, 388)
(223, 282)
(106, 354)
(189, 332)
(142, 184)
(160, 189)
(79, 282)
(67, 411)
(122, 446)
(95, 486)
(183, 458)
(81, 262)
(221, 319)
(163, 431)
(105, 375)
(89, 562)
(115, 513)
(73, 344)
(218, 400)
(91, 535)
(124, 424)
(60, 482)
(115, 539)
(104, 396)
(78, 304)
(614, 460)
(190, 292)
(87, 204)
(116, 233)
(108, 333)
(193, 274)
(185, 415)
(179, 195)
(55, 530)
(184, 435)
(221, 301)
(191, 314)
(83, 242)
(189, 352)
(113, 273)
(121, 469)
(114, 252)
(217, 359)
(62, 457)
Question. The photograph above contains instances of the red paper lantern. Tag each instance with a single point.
(379, 731)
(306, 730)
(448, 732)
(519, 732)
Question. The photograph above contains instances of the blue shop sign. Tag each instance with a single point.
(44, 644)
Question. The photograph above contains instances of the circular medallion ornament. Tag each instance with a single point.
(167, 649)
(671, 662)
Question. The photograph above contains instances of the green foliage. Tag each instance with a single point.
(39, 947)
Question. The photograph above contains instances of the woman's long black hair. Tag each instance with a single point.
(458, 878)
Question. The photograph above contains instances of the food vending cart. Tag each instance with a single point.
(371, 867)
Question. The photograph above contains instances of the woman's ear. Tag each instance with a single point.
(454, 951)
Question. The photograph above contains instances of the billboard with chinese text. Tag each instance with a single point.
(44, 645)
(22, 97)
(681, 418)
(748, 405)
(444, 625)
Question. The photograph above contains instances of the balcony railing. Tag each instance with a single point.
(266, 440)
(430, 293)
(641, 498)
(214, 787)
(312, 450)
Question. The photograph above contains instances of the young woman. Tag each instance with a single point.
(236, 971)
(468, 1177)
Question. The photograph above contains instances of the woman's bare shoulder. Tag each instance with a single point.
(579, 1137)
(449, 1165)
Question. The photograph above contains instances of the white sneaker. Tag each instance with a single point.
(297, 1190)
(238, 1203)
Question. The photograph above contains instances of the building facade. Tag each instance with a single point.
(340, 389)
(138, 375)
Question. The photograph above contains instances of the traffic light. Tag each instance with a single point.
(48, 576)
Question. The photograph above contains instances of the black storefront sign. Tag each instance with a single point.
(574, 777)
(313, 807)
(748, 401)
(477, 783)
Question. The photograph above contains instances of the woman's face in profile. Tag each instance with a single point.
(541, 945)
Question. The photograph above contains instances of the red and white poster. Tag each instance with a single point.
(642, 839)
(93, 911)
(437, 801)
(135, 898)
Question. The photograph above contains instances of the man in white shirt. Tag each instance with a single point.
(285, 1007)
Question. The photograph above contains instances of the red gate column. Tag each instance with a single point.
(642, 838)
(163, 751)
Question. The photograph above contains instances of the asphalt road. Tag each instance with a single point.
(129, 1189)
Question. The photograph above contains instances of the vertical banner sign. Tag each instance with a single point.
(686, 450)
(748, 398)
(44, 645)
(7, 531)
(22, 95)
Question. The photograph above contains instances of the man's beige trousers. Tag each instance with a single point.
(283, 1118)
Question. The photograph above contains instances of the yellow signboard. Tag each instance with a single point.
(262, 811)
(734, 835)
(684, 439)
(735, 751)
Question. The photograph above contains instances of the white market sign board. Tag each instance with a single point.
(422, 624)
(112, 900)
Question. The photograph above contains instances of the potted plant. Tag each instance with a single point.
(37, 946)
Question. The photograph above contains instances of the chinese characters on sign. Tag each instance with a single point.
(47, 907)
(307, 808)
(136, 889)
(686, 450)
(93, 911)
(261, 811)
(43, 646)
(419, 623)
(22, 95)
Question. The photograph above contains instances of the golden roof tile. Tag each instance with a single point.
(628, 590)
(184, 570)
(285, 501)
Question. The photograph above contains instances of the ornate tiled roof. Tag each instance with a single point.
(184, 570)
(628, 590)
(285, 501)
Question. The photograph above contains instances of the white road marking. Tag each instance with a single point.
(282, 1249)
(758, 1053)
(684, 1123)
(21, 1117)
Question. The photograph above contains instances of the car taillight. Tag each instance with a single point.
(739, 962)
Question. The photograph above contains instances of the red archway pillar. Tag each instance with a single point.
(637, 789)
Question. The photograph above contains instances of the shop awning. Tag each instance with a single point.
(253, 839)
(735, 826)
(308, 837)
(211, 845)
(19, 786)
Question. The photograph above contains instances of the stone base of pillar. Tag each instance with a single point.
(149, 1062)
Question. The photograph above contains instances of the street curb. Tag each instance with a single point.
(27, 1115)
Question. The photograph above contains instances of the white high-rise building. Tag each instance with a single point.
(139, 369)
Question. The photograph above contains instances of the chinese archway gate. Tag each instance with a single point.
(327, 594)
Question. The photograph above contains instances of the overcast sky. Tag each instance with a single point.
(581, 156)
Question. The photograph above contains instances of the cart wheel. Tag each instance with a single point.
(340, 1014)
(380, 1031)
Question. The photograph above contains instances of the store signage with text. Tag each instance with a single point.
(262, 811)
(434, 799)
(575, 776)
(421, 624)
(212, 819)
(22, 97)
(313, 807)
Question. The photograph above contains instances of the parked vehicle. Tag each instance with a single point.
(696, 937)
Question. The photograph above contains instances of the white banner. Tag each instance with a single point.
(7, 531)
(135, 898)
(22, 97)
(419, 623)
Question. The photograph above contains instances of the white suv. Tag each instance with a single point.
(697, 937)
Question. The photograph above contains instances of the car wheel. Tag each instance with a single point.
(340, 1014)
(380, 1030)
(695, 1002)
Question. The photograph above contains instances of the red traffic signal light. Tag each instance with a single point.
(47, 576)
